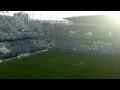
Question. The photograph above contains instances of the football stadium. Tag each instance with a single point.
(87, 47)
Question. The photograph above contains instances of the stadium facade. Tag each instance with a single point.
(93, 19)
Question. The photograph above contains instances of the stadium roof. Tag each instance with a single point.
(94, 19)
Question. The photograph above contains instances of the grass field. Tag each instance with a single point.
(61, 64)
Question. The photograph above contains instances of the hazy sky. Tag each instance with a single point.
(61, 14)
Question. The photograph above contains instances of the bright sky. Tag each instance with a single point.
(58, 15)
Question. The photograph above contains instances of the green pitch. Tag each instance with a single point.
(62, 64)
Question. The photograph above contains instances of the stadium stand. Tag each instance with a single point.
(17, 36)
(28, 36)
(97, 34)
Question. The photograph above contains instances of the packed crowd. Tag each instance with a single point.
(88, 31)
(14, 28)
(18, 36)
(88, 37)
(13, 48)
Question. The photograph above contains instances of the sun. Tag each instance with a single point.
(115, 18)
